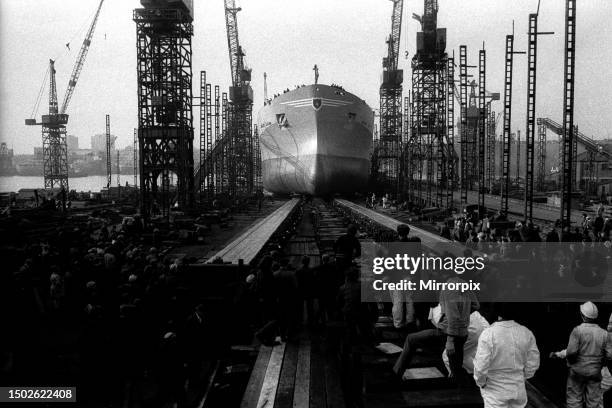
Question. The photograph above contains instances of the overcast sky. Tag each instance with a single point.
(285, 38)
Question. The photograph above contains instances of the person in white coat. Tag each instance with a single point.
(507, 355)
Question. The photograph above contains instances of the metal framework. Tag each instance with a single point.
(55, 149)
(428, 143)
(532, 53)
(568, 111)
(389, 144)
(507, 139)
(165, 123)
(464, 123)
(482, 128)
(541, 175)
(239, 156)
(531, 104)
(450, 131)
(109, 171)
(491, 143)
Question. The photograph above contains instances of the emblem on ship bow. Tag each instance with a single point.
(316, 103)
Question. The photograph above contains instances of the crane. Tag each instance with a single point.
(393, 42)
(389, 143)
(80, 61)
(242, 175)
(55, 152)
(241, 91)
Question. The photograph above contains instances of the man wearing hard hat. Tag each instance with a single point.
(588, 349)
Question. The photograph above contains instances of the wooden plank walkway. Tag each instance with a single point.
(248, 245)
(293, 375)
(427, 238)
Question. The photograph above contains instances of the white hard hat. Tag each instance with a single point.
(589, 310)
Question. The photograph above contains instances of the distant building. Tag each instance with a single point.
(7, 166)
(98, 142)
(73, 143)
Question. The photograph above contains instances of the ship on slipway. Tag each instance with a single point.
(316, 140)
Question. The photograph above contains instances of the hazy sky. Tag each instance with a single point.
(285, 38)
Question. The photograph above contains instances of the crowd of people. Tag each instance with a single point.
(500, 354)
(131, 321)
(100, 306)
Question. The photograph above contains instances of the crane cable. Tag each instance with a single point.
(40, 93)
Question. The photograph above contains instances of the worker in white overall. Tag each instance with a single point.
(506, 357)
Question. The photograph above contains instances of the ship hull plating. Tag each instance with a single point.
(316, 140)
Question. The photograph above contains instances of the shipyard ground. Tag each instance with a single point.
(56, 337)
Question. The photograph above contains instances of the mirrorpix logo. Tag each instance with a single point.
(317, 103)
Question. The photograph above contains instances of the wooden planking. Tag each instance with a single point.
(270, 383)
(317, 378)
(284, 394)
(301, 394)
(253, 389)
(450, 397)
(333, 387)
(250, 243)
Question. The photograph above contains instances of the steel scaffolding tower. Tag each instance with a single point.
(109, 171)
(491, 142)
(165, 123)
(238, 154)
(450, 130)
(541, 155)
(204, 161)
(464, 123)
(507, 137)
(568, 111)
(532, 53)
(482, 110)
(530, 126)
(429, 123)
(389, 144)
(258, 187)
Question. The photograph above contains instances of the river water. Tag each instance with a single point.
(90, 183)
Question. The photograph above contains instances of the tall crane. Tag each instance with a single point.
(55, 150)
(389, 142)
(241, 173)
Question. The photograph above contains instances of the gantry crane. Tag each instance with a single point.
(389, 149)
(430, 170)
(55, 151)
(241, 172)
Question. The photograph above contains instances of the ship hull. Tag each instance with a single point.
(316, 140)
